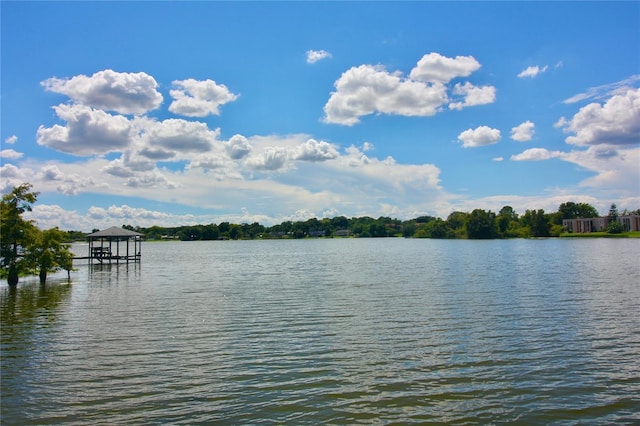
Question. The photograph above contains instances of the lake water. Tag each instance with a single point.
(342, 331)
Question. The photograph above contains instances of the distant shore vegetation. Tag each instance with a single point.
(478, 224)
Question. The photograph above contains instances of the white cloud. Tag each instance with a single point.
(605, 90)
(617, 122)
(195, 98)
(611, 133)
(272, 159)
(498, 159)
(10, 154)
(12, 176)
(613, 169)
(51, 172)
(533, 71)
(473, 95)
(237, 147)
(369, 89)
(177, 135)
(480, 136)
(314, 56)
(125, 93)
(11, 140)
(313, 150)
(523, 132)
(88, 131)
(434, 67)
(536, 154)
(367, 146)
(153, 178)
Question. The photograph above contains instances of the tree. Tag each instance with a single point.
(14, 231)
(47, 253)
(438, 228)
(456, 221)
(481, 224)
(538, 223)
(505, 218)
(571, 210)
(614, 226)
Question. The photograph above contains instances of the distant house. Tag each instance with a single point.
(597, 224)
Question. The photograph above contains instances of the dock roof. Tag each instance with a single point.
(115, 232)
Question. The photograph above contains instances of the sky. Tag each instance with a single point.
(180, 113)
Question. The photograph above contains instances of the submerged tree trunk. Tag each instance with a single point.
(12, 278)
(43, 276)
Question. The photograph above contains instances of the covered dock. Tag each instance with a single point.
(115, 245)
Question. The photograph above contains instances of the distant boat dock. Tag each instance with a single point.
(114, 245)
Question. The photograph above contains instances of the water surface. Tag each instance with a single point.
(331, 331)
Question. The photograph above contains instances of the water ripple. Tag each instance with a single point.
(342, 331)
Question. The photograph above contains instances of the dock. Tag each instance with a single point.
(114, 245)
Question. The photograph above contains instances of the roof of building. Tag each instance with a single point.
(115, 232)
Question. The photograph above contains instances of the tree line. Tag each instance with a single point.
(479, 224)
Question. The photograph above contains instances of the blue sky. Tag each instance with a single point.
(173, 113)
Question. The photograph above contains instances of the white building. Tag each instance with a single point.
(596, 224)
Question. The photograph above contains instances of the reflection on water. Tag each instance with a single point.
(33, 303)
(332, 331)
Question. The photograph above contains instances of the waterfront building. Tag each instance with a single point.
(598, 224)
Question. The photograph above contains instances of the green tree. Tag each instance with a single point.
(505, 220)
(481, 225)
(409, 228)
(47, 253)
(614, 226)
(571, 210)
(537, 222)
(438, 228)
(456, 222)
(14, 231)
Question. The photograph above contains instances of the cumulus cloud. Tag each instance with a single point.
(237, 147)
(51, 172)
(616, 122)
(212, 162)
(523, 132)
(434, 67)
(10, 154)
(533, 71)
(150, 179)
(128, 164)
(12, 176)
(156, 154)
(271, 159)
(313, 150)
(88, 131)
(611, 133)
(195, 98)
(125, 212)
(480, 136)
(314, 56)
(536, 154)
(369, 89)
(11, 140)
(178, 135)
(125, 93)
(473, 95)
(612, 168)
